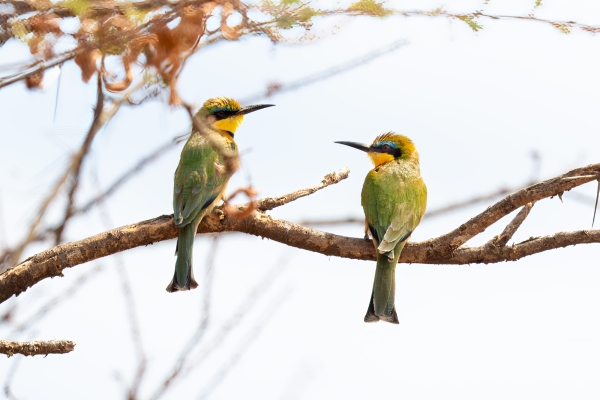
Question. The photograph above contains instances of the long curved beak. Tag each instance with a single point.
(250, 109)
(358, 146)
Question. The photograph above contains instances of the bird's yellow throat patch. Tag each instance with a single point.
(229, 124)
(380, 158)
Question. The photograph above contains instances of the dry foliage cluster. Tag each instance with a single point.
(159, 36)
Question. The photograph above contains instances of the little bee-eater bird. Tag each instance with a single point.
(394, 198)
(201, 177)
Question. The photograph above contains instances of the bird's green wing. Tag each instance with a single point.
(197, 181)
(394, 204)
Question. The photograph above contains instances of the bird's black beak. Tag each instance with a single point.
(250, 109)
(358, 146)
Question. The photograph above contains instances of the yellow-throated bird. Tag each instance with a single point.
(394, 198)
(201, 178)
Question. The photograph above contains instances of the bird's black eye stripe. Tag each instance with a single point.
(386, 148)
(220, 115)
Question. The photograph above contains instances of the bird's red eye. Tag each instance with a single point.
(385, 147)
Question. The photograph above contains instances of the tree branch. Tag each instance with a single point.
(36, 347)
(446, 249)
(511, 228)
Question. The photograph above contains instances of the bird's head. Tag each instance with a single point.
(225, 114)
(388, 147)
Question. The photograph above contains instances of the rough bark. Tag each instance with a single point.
(36, 347)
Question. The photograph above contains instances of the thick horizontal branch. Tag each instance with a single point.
(441, 250)
(38, 347)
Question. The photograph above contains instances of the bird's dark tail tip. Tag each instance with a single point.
(190, 283)
(372, 317)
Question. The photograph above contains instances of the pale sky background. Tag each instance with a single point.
(476, 105)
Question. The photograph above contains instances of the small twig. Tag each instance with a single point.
(38, 347)
(329, 179)
(511, 228)
(596, 203)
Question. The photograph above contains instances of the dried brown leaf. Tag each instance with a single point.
(45, 23)
(86, 60)
(34, 81)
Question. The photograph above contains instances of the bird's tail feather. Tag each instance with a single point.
(183, 278)
(381, 305)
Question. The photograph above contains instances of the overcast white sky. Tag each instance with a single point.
(476, 105)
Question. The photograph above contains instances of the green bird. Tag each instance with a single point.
(201, 177)
(394, 198)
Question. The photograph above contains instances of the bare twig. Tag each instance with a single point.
(596, 202)
(511, 228)
(329, 179)
(36, 347)
(441, 250)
